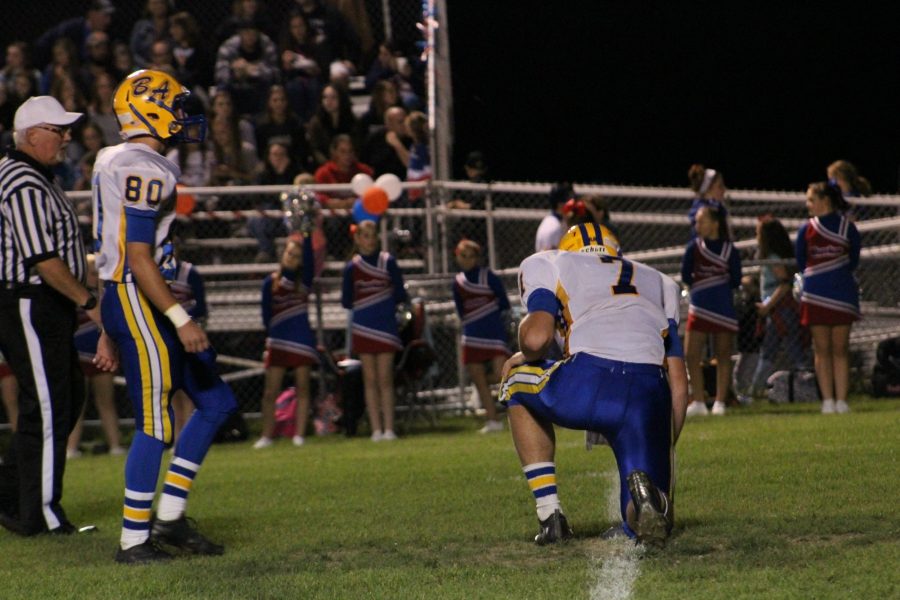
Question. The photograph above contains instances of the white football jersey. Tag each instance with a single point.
(132, 179)
(610, 307)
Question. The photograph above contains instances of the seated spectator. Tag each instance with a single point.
(470, 228)
(97, 17)
(336, 39)
(247, 65)
(391, 66)
(241, 12)
(419, 166)
(22, 89)
(234, 162)
(384, 96)
(18, 61)
(301, 66)
(191, 58)
(100, 108)
(333, 117)
(122, 60)
(280, 124)
(340, 169)
(65, 62)
(387, 148)
(277, 169)
(153, 26)
(99, 60)
(223, 108)
(161, 57)
(66, 90)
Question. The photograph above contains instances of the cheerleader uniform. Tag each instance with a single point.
(187, 287)
(712, 269)
(480, 298)
(87, 334)
(699, 203)
(827, 253)
(373, 286)
(290, 341)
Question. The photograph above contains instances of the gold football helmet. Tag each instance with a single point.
(149, 102)
(590, 237)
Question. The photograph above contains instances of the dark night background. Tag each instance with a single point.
(633, 93)
(616, 92)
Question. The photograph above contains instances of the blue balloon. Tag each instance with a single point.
(360, 214)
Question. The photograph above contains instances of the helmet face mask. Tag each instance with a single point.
(590, 238)
(152, 103)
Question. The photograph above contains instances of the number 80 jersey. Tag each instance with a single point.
(610, 307)
(133, 190)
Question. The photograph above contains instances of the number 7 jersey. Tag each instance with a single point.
(609, 307)
(133, 190)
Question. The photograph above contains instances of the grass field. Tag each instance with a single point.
(772, 502)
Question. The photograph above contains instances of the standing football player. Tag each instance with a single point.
(162, 349)
(619, 322)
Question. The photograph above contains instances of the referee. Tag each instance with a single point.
(42, 274)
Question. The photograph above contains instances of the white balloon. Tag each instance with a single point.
(390, 183)
(360, 183)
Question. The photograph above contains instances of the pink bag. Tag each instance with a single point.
(286, 413)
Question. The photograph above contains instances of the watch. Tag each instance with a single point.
(90, 303)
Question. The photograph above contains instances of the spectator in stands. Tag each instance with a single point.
(161, 57)
(552, 228)
(18, 61)
(191, 58)
(336, 39)
(98, 382)
(340, 169)
(65, 62)
(234, 161)
(100, 108)
(384, 96)
(481, 302)
(590, 209)
(153, 26)
(301, 66)
(122, 60)
(87, 138)
(372, 289)
(711, 268)
(247, 65)
(279, 168)
(22, 89)
(9, 393)
(194, 160)
(99, 61)
(223, 108)
(280, 124)
(83, 174)
(709, 185)
(471, 228)
(241, 12)
(778, 307)
(828, 247)
(419, 166)
(290, 342)
(392, 66)
(386, 149)
(334, 116)
(97, 17)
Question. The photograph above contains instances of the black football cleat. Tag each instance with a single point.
(554, 528)
(182, 534)
(147, 552)
(652, 526)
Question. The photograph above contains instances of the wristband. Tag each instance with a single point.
(177, 315)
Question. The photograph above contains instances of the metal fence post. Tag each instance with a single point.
(489, 208)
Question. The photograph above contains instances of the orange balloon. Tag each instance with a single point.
(375, 200)
(184, 203)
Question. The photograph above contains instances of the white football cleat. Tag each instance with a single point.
(718, 408)
(697, 409)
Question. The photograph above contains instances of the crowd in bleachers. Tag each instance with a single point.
(271, 80)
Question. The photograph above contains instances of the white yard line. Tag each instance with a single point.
(614, 564)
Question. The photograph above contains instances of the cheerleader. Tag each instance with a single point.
(828, 248)
(290, 343)
(711, 268)
(372, 288)
(709, 185)
(480, 300)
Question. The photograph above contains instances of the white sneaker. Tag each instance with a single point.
(389, 435)
(377, 436)
(828, 407)
(263, 442)
(491, 426)
(297, 440)
(70, 454)
(697, 409)
(841, 407)
(117, 451)
(718, 408)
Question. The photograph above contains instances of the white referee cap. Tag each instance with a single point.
(39, 110)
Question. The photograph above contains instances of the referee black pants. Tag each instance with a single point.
(37, 325)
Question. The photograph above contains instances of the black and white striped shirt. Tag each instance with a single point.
(37, 222)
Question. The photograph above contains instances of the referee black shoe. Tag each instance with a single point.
(182, 534)
(652, 525)
(554, 528)
(142, 553)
